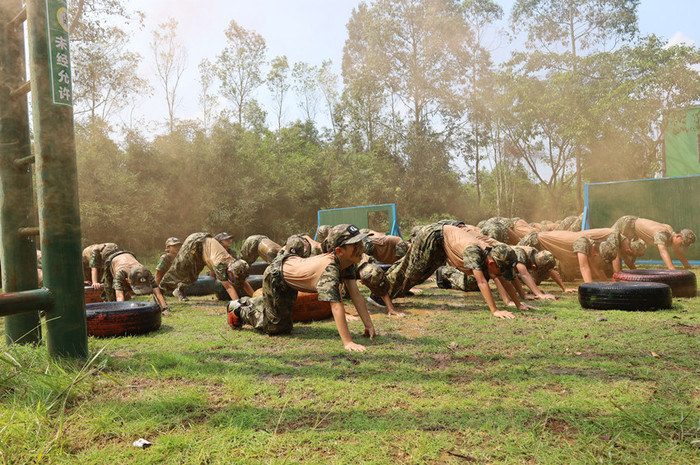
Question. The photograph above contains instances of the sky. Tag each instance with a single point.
(311, 31)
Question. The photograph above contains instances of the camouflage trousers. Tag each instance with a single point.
(531, 240)
(187, 264)
(259, 246)
(425, 255)
(271, 313)
(459, 280)
(625, 225)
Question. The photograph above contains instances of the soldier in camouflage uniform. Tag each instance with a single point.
(658, 234)
(288, 274)
(436, 244)
(200, 250)
(172, 247)
(226, 240)
(259, 246)
(576, 252)
(94, 257)
(373, 277)
(125, 276)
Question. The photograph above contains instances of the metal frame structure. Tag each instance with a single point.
(62, 299)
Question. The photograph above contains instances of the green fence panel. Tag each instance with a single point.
(674, 201)
(362, 217)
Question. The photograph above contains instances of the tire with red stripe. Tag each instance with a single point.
(309, 308)
(683, 283)
(92, 295)
(106, 319)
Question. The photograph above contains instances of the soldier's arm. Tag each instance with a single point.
(557, 279)
(665, 256)
(159, 276)
(341, 323)
(527, 279)
(390, 310)
(510, 289)
(360, 306)
(488, 296)
(95, 278)
(230, 289)
(161, 300)
(585, 267)
(680, 253)
(120, 296)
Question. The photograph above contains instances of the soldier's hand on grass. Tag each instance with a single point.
(530, 297)
(572, 291)
(395, 313)
(524, 306)
(547, 297)
(370, 333)
(503, 314)
(352, 347)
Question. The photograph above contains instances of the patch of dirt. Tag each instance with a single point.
(690, 330)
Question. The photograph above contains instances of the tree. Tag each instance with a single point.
(239, 66)
(171, 61)
(479, 15)
(328, 85)
(578, 26)
(278, 84)
(206, 100)
(104, 81)
(306, 86)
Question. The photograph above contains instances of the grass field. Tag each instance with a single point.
(446, 384)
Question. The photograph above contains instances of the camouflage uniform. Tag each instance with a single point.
(625, 225)
(118, 282)
(164, 263)
(566, 223)
(298, 245)
(531, 240)
(94, 256)
(189, 262)
(250, 250)
(425, 255)
(455, 279)
(271, 313)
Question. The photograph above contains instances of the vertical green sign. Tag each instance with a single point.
(59, 55)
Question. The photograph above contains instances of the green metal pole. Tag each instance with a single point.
(16, 192)
(25, 301)
(57, 176)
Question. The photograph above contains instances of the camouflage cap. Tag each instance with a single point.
(222, 236)
(480, 223)
(495, 230)
(505, 259)
(238, 271)
(688, 237)
(298, 245)
(343, 234)
(544, 260)
(638, 247)
(372, 276)
(140, 280)
(608, 251)
(322, 232)
(172, 241)
(401, 249)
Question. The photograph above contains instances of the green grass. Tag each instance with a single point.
(446, 384)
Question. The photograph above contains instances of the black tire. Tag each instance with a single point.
(625, 296)
(258, 267)
(204, 285)
(106, 319)
(683, 283)
(255, 281)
